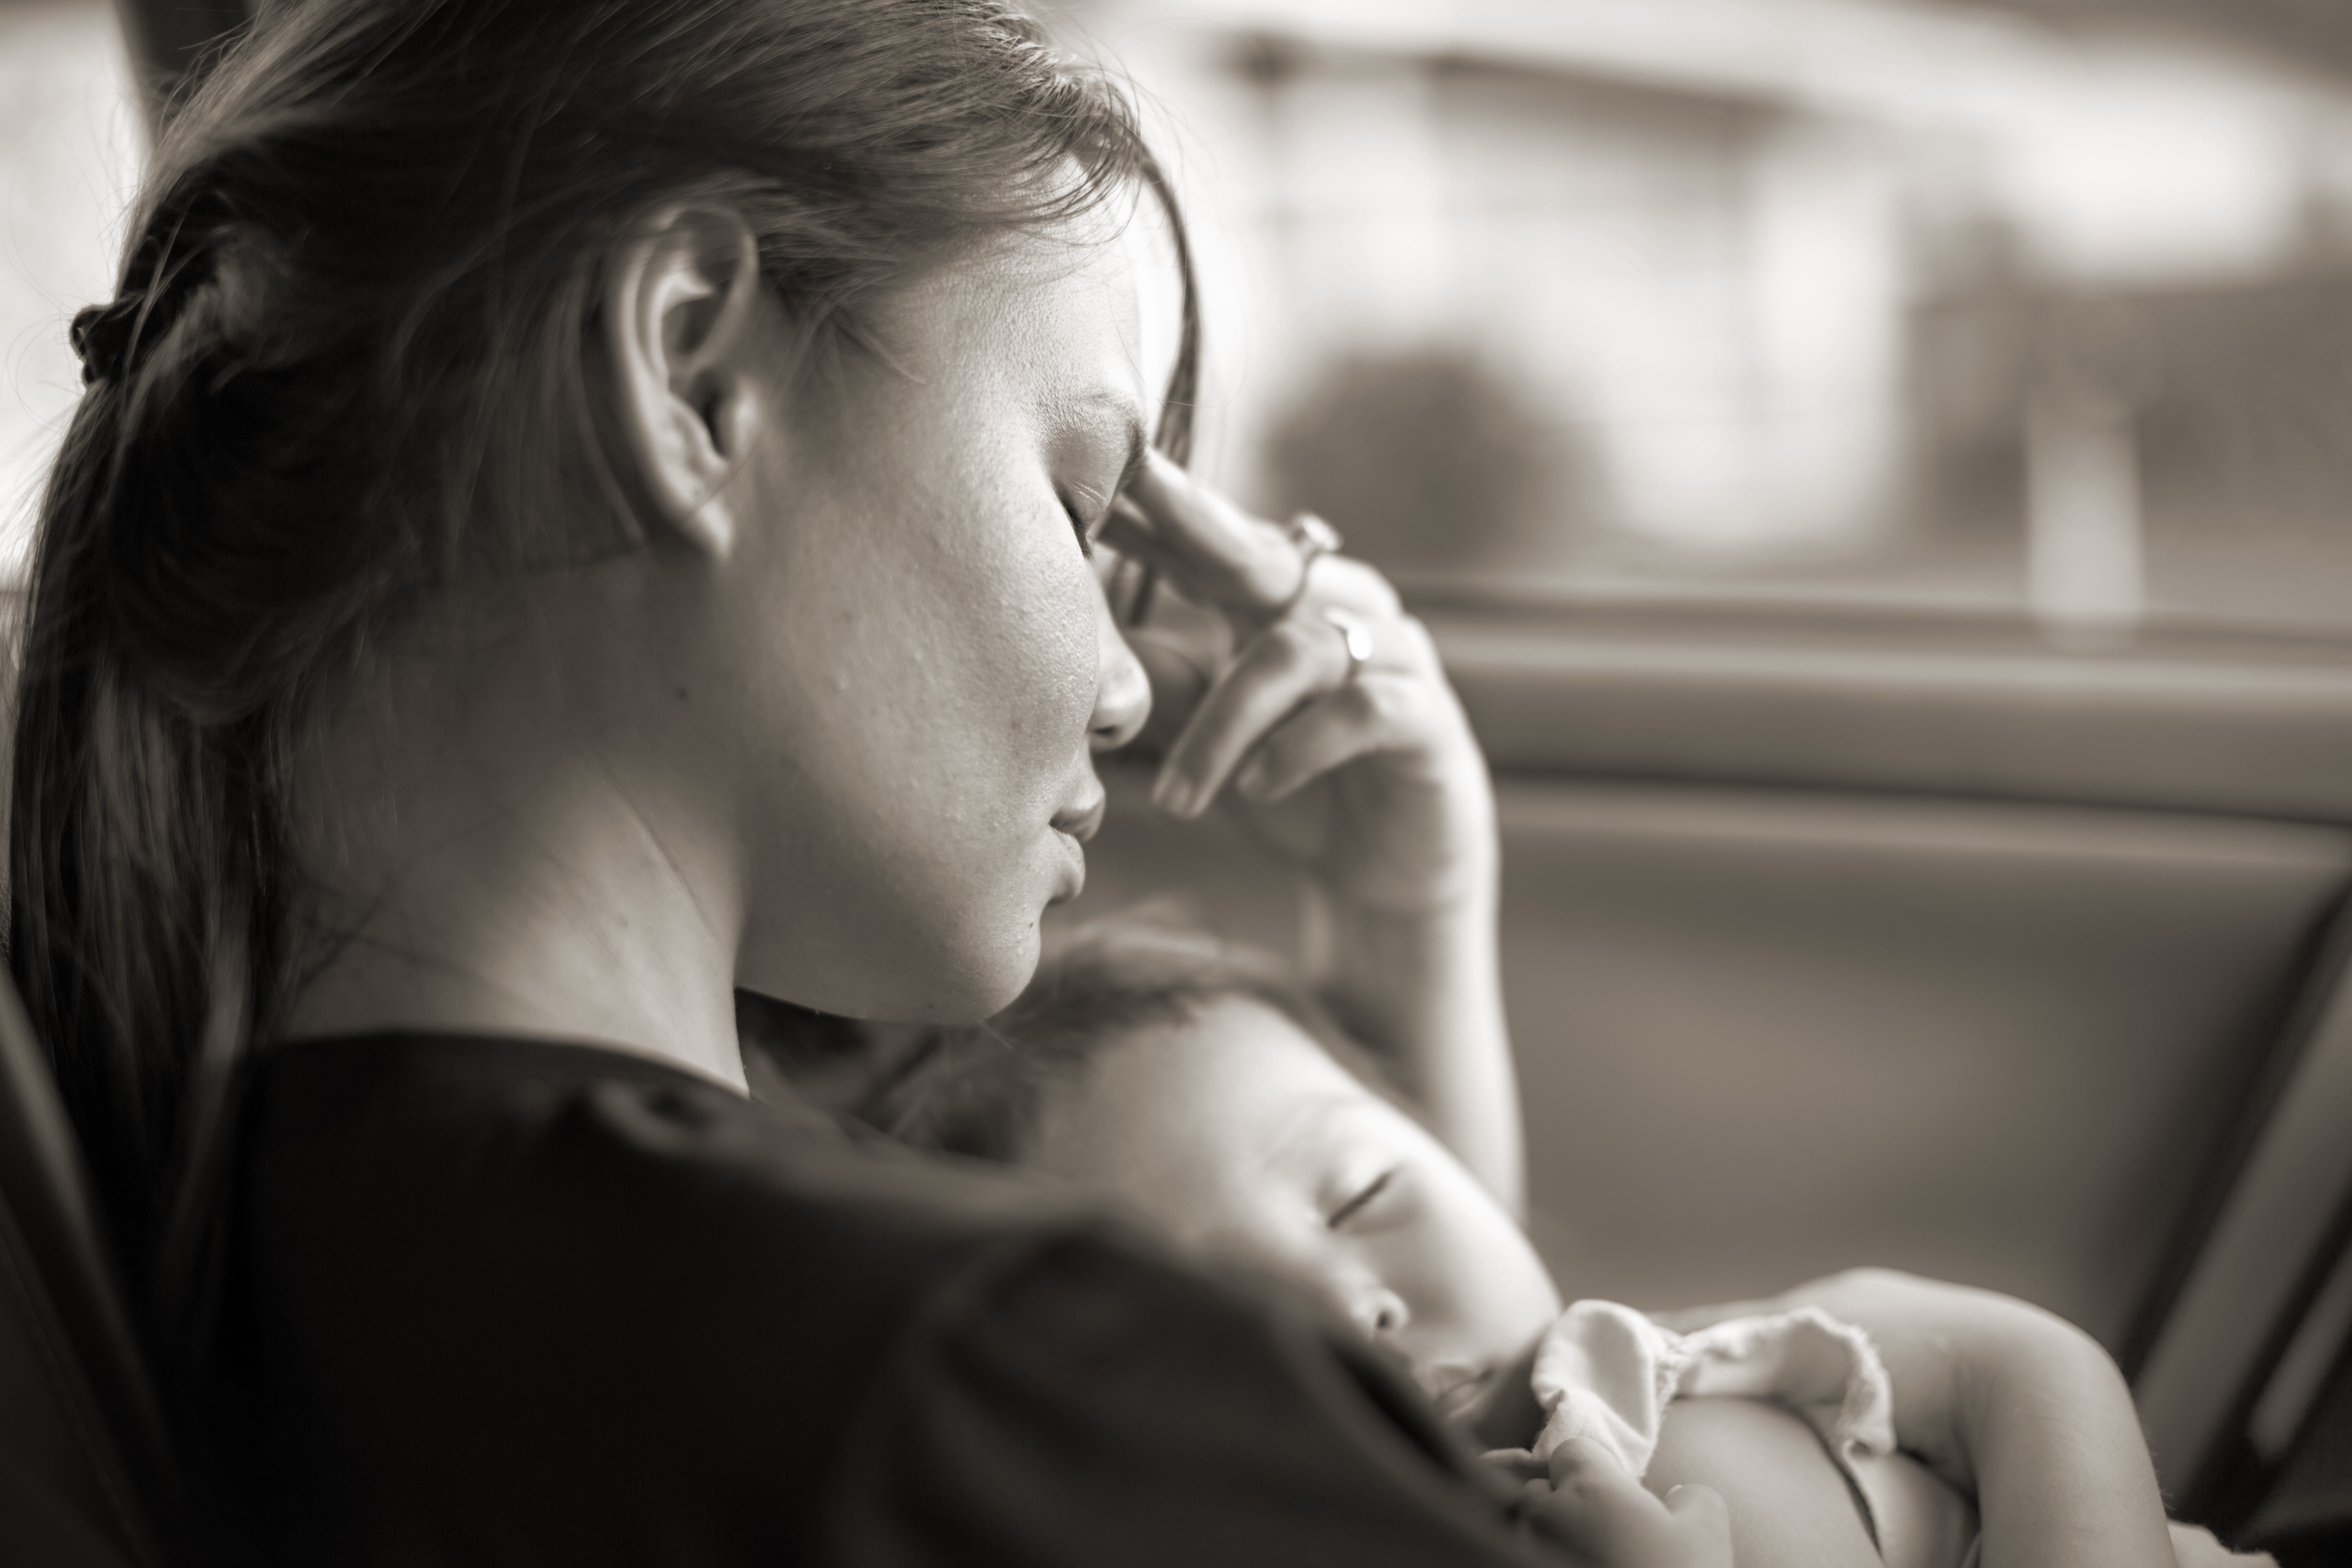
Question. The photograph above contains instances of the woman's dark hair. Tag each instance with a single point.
(346, 365)
(978, 1089)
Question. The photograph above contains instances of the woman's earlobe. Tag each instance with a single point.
(683, 323)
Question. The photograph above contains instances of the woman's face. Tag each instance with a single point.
(914, 634)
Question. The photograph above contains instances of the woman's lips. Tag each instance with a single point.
(1073, 879)
(1076, 822)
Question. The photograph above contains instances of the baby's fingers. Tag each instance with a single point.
(1602, 1513)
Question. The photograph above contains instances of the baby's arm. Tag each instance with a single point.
(1788, 1504)
(2009, 1404)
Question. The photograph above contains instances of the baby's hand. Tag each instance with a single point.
(1601, 1514)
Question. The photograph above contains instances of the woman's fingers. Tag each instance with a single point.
(1355, 718)
(1599, 1512)
(1179, 677)
(1281, 667)
(1218, 554)
(1223, 557)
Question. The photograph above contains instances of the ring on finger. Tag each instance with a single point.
(1313, 538)
(1355, 634)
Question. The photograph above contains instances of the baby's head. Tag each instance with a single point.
(1223, 1107)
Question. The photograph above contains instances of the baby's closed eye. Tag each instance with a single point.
(1362, 1198)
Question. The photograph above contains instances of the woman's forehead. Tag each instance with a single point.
(1038, 296)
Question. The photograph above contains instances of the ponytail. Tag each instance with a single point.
(143, 833)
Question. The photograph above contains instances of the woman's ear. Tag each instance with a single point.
(683, 330)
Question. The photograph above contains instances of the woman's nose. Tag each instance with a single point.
(1122, 692)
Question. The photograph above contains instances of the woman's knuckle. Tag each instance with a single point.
(1292, 643)
(1382, 703)
(1277, 650)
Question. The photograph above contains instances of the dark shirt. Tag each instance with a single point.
(499, 1302)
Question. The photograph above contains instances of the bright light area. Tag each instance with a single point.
(70, 152)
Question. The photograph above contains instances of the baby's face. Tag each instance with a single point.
(1240, 1137)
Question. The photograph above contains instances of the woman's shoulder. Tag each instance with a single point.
(497, 1134)
(541, 1284)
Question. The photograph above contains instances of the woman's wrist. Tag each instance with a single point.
(1385, 968)
(1424, 989)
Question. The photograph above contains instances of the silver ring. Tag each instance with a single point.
(1312, 538)
(1355, 632)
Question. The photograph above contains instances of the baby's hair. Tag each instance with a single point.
(979, 1089)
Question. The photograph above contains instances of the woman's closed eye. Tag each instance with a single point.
(1361, 1201)
(1086, 513)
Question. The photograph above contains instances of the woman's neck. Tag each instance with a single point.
(495, 854)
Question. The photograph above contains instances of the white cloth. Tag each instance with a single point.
(1606, 1372)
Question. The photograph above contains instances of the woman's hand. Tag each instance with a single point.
(1606, 1520)
(1361, 770)
(2007, 1402)
(1363, 774)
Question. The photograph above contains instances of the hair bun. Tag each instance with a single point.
(101, 335)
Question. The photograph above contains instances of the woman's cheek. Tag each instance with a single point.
(1075, 641)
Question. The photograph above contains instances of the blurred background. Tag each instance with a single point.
(2031, 306)
(1881, 475)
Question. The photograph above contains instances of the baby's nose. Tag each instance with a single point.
(1380, 1312)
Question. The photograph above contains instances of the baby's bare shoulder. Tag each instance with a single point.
(1789, 1503)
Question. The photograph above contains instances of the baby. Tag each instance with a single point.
(1222, 1106)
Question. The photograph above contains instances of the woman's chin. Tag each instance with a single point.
(985, 977)
(917, 972)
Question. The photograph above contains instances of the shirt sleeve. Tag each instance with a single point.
(1075, 1401)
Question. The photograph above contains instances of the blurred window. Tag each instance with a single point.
(1810, 301)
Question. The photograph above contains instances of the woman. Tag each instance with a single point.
(580, 508)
